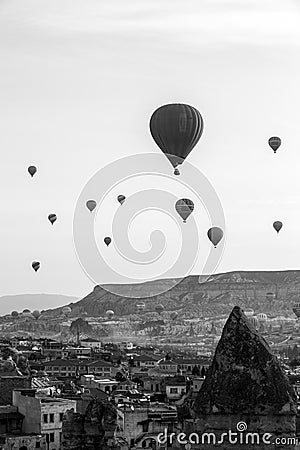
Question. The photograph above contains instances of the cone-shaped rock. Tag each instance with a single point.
(245, 392)
(244, 376)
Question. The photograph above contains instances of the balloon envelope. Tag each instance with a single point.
(274, 143)
(107, 240)
(121, 199)
(184, 207)
(32, 170)
(52, 218)
(36, 265)
(36, 314)
(277, 225)
(176, 128)
(159, 308)
(91, 205)
(110, 313)
(215, 234)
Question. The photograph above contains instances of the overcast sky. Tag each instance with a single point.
(79, 81)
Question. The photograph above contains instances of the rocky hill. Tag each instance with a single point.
(271, 292)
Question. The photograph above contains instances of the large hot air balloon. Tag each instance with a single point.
(52, 218)
(110, 314)
(107, 240)
(274, 143)
(91, 205)
(277, 226)
(121, 199)
(36, 314)
(36, 265)
(176, 129)
(184, 207)
(215, 234)
(32, 170)
(296, 309)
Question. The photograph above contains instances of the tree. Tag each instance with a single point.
(196, 371)
(120, 377)
(79, 326)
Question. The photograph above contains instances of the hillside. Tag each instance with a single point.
(217, 295)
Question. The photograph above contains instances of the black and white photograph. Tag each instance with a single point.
(150, 224)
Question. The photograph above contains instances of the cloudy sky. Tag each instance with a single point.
(79, 81)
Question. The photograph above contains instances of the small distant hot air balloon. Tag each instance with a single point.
(215, 234)
(110, 314)
(36, 265)
(36, 314)
(140, 306)
(277, 226)
(32, 170)
(52, 218)
(176, 129)
(296, 309)
(159, 309)
(274, 143)
(15, 314)
(121, 199)
(184, 207)
(107, 240)
(91, 205)
(66, 310)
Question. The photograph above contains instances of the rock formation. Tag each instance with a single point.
(92, 430)
(245, 384)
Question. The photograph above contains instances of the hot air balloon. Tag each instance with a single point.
(262, 317)
(277, 226)
(107, 240)
(36, 265)
(66, 310)
(36, 314)
(52, 218)
(121, 199)
(296, 309)
(159, 309)
(184, 207)
(176, 129)
(91, 205)
(274, 143)
(110, 314)
(254, 321)
(32, 170)
(215, 234)
(140, 306)
(15, 314)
